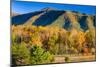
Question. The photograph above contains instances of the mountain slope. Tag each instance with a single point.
(21, 19)
(59, 18)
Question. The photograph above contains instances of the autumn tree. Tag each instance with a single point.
(52, 43)
(90, 39)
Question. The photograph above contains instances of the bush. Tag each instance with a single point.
(66, 59)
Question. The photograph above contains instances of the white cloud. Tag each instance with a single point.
(83, 2)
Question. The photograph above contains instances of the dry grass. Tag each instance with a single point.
(61, 59)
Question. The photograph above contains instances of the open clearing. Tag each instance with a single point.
(61, 59)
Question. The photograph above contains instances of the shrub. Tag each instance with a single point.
(66, 59)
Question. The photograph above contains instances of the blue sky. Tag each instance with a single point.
(26, 7)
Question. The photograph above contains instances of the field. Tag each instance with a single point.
(61, 59)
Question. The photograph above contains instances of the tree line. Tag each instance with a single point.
(38, 44)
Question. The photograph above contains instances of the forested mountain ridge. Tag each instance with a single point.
(54, 17)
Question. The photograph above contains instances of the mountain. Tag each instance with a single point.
(54, 17)
(48, 9)
(21, 19)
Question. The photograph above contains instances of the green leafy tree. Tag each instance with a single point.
(39, 56)
(13, 37)
(20, 54)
